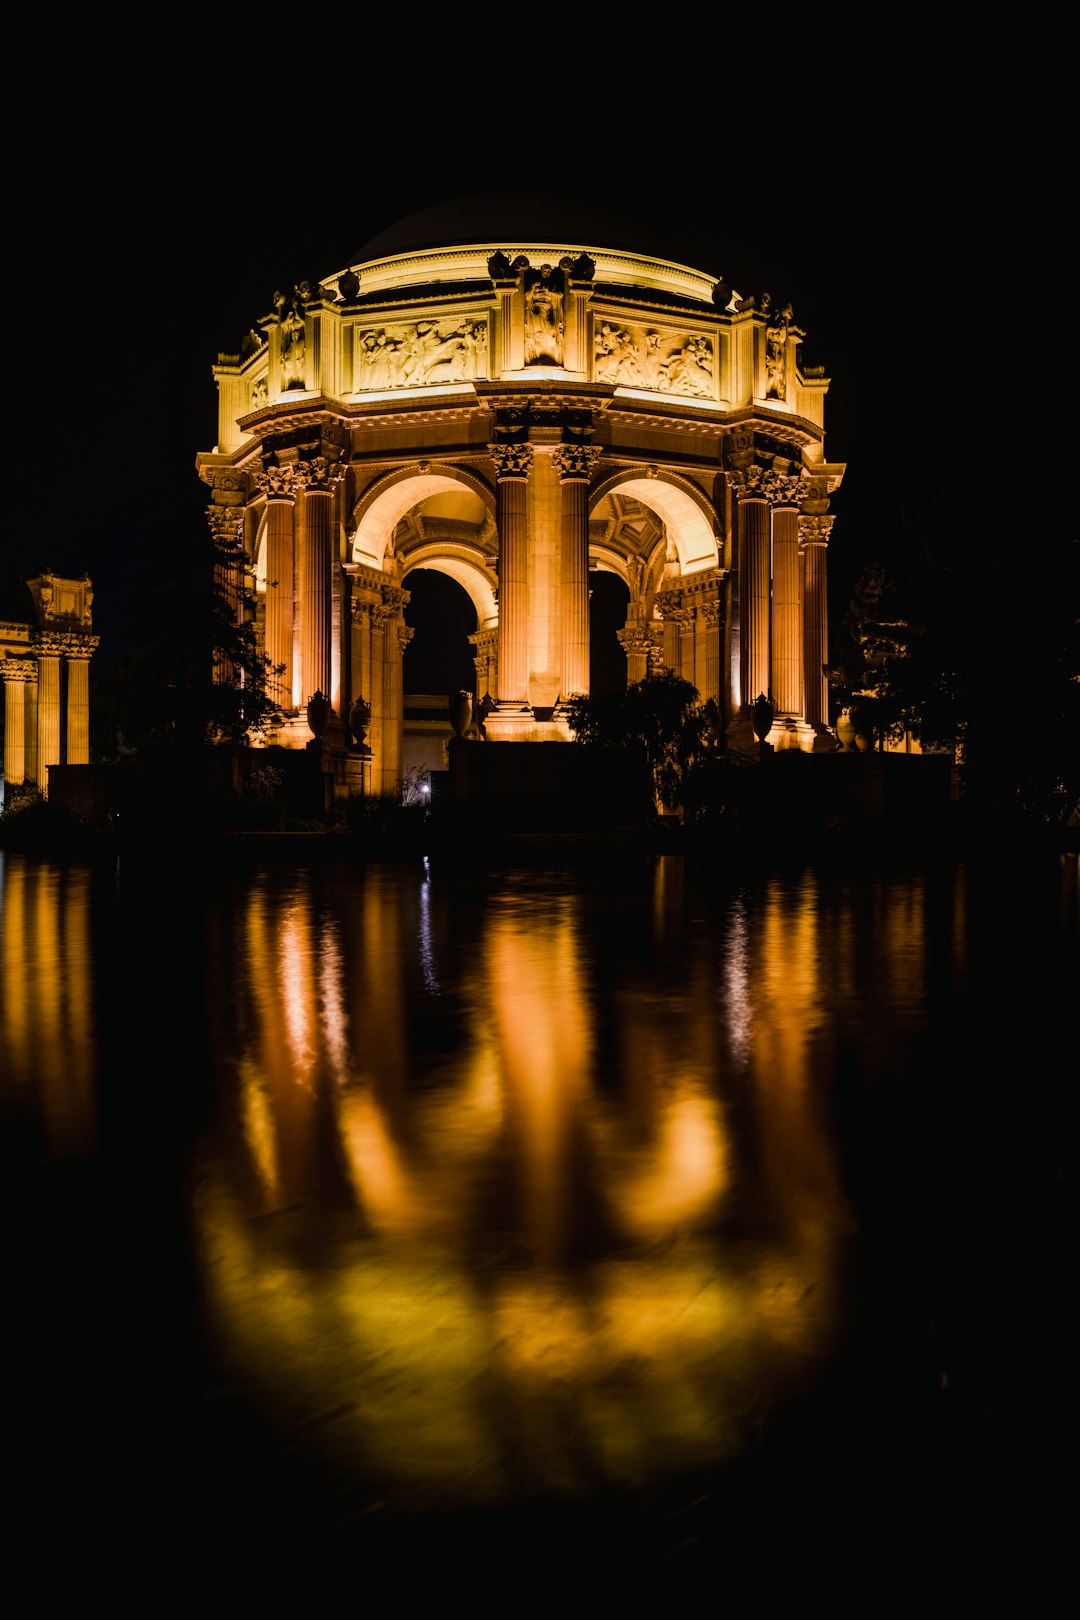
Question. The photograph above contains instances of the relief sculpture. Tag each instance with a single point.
(427, 352)
(638, 357)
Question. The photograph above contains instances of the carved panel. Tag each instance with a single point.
(645, 357)
(430, 351)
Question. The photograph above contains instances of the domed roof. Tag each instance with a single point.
(503, 218)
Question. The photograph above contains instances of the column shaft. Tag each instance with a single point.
(48, 717)
(574, 587)
(14, 730)
(315, 604)
(78, 711)
(280, 543)
(815, 618)
(756, 585)
(786, 637)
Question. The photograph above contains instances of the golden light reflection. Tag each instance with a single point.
(47, 1033)
(528, 1283)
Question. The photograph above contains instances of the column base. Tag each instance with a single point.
(790, 731)
(510, 721)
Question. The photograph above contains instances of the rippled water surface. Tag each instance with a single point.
(359, 1208)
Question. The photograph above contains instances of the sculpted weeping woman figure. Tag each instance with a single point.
(544, 317)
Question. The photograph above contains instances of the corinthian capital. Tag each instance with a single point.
(575, 460)
(319, 476)
(225, 522)
(18, 669)
(278, 483)
(511, 460)
(815, 530)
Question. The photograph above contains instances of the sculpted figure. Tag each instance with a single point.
(776, 334)
(544, 317)
(293, 346)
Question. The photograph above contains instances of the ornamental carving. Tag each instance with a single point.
(18, 669)
(319, 476)
(511, 460)
(776, 343)
(289, 308)
(815, 530)
(425, 352)
(575, 460)
(225, 523)
(545, 324)
(642, 357)
(757, 483)
(279, 483)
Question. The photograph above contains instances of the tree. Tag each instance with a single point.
(664, 718)
(193, 672)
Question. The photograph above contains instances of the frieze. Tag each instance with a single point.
(431, 351)
(643, 357)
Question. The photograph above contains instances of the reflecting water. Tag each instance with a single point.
(350, 1197)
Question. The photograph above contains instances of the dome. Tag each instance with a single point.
(504, 218)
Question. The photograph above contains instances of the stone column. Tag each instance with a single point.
(78, 653)
(280, 485)
(512, 464)
(49, 650)
(639, 647)
(17, 673)
(319, 477)
(755, 583)
(814, 533)
(227, 527)
(786, 637)
(574, 464)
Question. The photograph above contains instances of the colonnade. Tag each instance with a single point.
(46, 705)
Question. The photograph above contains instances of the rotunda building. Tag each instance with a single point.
(523, 409)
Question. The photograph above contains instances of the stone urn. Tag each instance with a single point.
(318, 714)
(461, 712)
(762, 715)
(845, 731)
(359, 720)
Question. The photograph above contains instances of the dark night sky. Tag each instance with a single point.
(154, 225)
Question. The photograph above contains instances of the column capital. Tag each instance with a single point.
(319, 476)
(225, 522)
(279, 483)
(674, 606)
(18, 669)
(511, 460)
(814, 530)
(757, 483)
(573, 461)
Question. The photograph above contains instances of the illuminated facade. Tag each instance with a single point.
(45, 663)
(516, 413)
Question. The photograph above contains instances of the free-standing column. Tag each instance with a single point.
(755, 561)
(79, 651)
(786, 636)
(512, 463)
(280, 485)
(814, 535)
(49, 649)
(226, 526)
(17, 672)
(319, 477)
(574, 463)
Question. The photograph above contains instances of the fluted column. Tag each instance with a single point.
(755, 594)
(574, 464)
(49, 650)
(280, 485)
(227, 526)
(814, 534)
(17, 673)
(319, 478)
(512, 464)
(78, 653)
(786, 630)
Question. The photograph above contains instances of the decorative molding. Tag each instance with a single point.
(511, 460)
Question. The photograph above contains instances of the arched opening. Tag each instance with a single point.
(437, 662)
(608, 602)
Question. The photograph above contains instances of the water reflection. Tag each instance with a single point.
(535, 1185)
(512, 1209)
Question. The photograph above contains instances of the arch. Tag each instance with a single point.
(477, 581)
(686, 513)
(386, 502)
